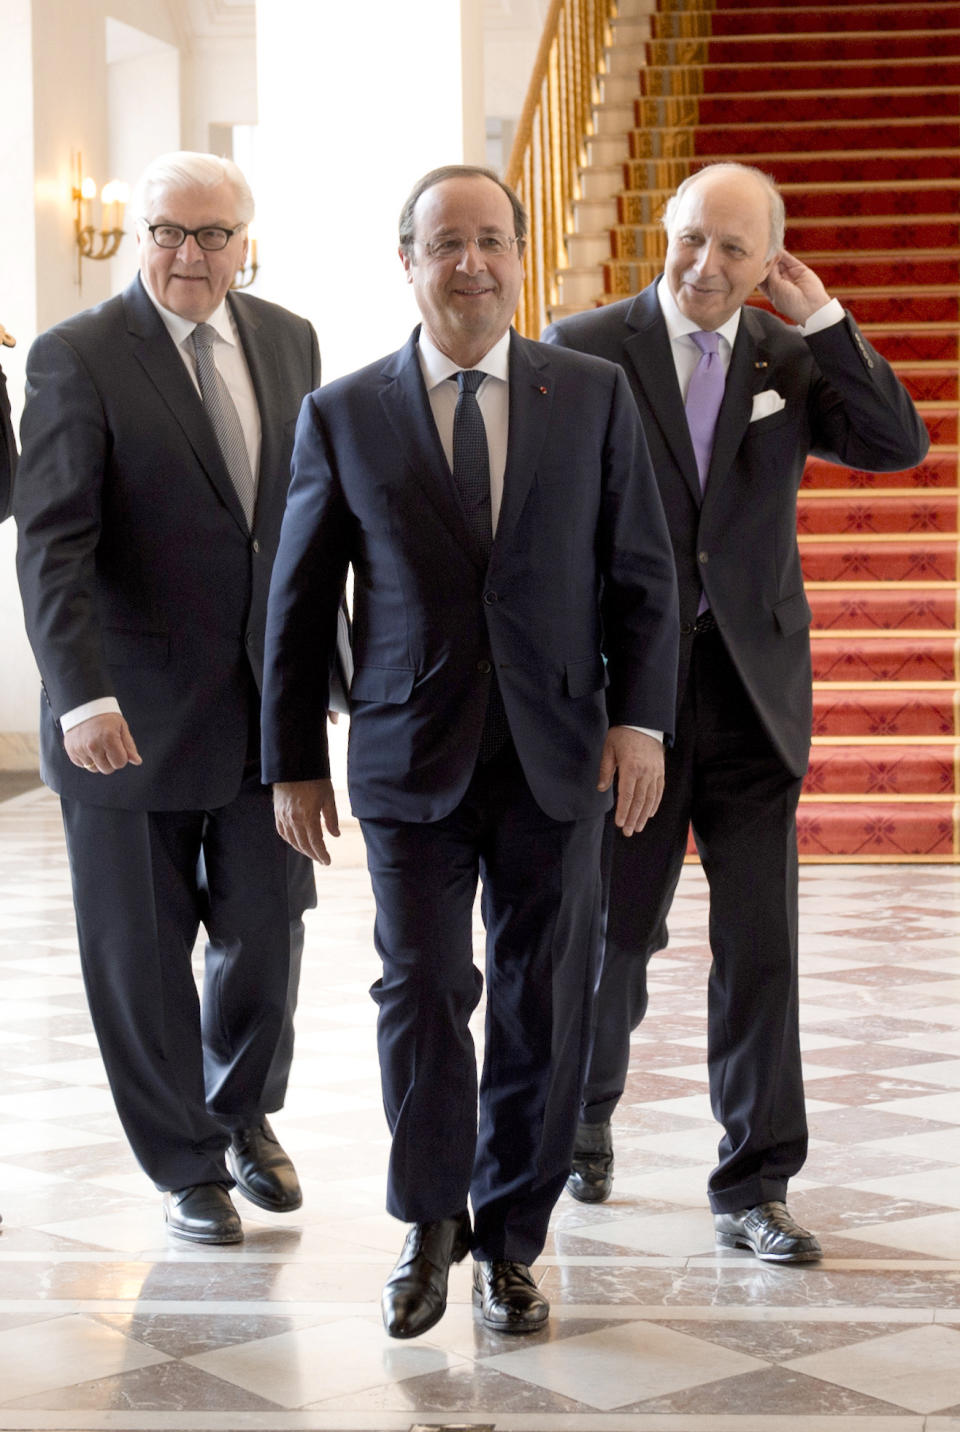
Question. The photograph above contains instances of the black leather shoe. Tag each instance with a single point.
(508, 1298)
(591, 1176)
(768, 1231)
(203, 1214)
(263, 1171)
(415, 1295)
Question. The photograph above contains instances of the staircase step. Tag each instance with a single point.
(803, 19)
(817, 135)
(792, 108)
(877, 830)
(927, 341)
(845, 168)
(885, 658)
(915, 197)
(895, 512)
(933, 381)
(887, 710)
(851, 608)
(884, 769)
(924, 559)
(828, 73)
(940, 468)
(856, 237)
(865, 50)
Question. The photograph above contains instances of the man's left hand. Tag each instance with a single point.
(793, 289)
(637, 761)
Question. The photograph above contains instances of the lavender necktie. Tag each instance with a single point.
(704, 396)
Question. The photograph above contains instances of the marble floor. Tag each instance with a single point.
(107, 1324)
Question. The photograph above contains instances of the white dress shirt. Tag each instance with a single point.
(232, 366)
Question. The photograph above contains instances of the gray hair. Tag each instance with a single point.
(778, 214)
(185, 169)
(457, 171)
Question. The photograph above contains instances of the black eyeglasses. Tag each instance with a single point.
(211, 238)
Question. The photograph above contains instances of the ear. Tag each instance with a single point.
(407, 262)
(244, 249)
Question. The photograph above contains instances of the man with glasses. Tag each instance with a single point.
(156, 456)
(495, 499)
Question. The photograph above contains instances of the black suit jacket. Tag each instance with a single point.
(139, 576)
(8, 451)
(841, 401)
(581, 564)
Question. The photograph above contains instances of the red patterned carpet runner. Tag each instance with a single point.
(855, 111)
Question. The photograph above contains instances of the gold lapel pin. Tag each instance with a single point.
(761, 364)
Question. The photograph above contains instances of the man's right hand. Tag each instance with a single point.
(102, 743)
(301, 810)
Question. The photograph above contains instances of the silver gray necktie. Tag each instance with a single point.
(223, 415)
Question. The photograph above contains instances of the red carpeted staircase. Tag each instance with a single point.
(855, 110)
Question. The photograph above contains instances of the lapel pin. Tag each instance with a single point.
(543, 390)
(761, 364)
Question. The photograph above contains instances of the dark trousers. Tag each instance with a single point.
(186, 1071)
(724, 777)
(540, 906)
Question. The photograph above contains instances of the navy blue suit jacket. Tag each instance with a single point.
(139, 576)
(581, 568)
(738, 543)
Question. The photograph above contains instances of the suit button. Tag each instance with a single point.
(490, 598)
(484, 666)
(686, 628)
(703, 558)
(256, 544)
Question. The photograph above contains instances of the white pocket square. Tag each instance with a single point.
(765, 403)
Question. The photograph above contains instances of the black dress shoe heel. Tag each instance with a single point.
(508, 1297)
(769, 1232)
(263, 1172)
(202, 1214)
(414, 1297)
(591, 1174)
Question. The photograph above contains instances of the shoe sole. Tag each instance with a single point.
(257, 1199)
(729, 1240)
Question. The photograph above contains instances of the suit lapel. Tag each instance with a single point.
(648, 351)
(404, 400)
(531, 404)
(745, 376)
(156, 352)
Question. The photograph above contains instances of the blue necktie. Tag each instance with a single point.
(704, 396)
(471, 459)
(471, 477)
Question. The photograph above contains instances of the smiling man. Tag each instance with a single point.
(156, 454)
(733, 400)
(496, 502)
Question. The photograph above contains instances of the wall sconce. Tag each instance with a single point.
(113, 198)
(245, 276)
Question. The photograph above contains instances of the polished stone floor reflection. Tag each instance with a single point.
(106, 1323)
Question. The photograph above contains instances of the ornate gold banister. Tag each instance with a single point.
(548, 150)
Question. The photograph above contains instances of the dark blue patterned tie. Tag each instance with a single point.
(471, 476)
(471, 459)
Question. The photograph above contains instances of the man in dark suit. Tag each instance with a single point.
(8, 441)
(156, 451)
(729, 485)
(496, 502)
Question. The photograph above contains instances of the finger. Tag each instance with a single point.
(330, 817)
(608, 766)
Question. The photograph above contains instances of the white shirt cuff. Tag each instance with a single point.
(657, 735)
(103, 706)
(824, 317)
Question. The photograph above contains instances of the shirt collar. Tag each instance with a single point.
(436, 367)
(180, 328)
(679, 326)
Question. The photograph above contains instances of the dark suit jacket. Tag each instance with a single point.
(8, 451)
(842, 402)
(581, 549)
(139, 576)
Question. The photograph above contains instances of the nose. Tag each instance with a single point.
(189, 251)
(471, 260)
(707, 253)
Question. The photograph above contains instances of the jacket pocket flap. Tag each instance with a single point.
(793, 614)
(585, 677)
(381, 683)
